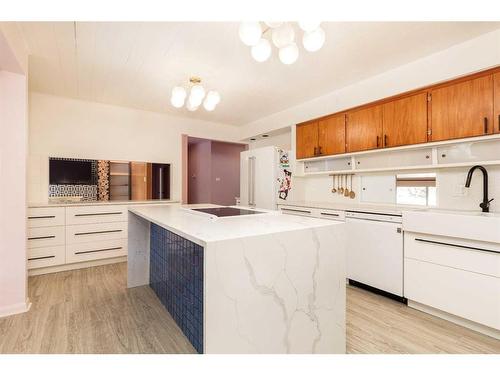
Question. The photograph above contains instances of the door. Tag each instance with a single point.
(496, 90)
(375, 254)
(138, 181)
(405, 121)
(364, 129)
(307, 140)
(258, 172)
(331, 135)
(464, 109)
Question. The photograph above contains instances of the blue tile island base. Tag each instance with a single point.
(176, 276)
(266, 283)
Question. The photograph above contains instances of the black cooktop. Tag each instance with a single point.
(227, 211)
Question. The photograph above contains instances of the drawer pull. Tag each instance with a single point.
(40, 238)
(329, 214)
(96, 251)
(99, 232)
(46, 257)
(42, 217)
(293, 210)
(99, 214)
(455, 245)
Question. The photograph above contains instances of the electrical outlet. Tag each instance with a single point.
(460, 190)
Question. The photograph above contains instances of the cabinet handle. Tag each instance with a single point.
(499, 123)
(315, 151)
(319, 150)
(294, 210)
(41, 238)
(96, 251)
(486, 125)
(455, 245)
(42, 217)
(98, 232)
(99, 214)
(46, 257)
(385, 140)
(378, 141)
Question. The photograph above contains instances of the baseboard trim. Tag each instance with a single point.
(76, 266)
(485, 330)
(18, 308)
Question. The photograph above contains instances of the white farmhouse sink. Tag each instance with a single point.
(474, 225)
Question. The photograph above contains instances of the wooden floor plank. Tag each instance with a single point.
(91, 311)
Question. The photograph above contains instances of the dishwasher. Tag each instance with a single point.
(375, 252)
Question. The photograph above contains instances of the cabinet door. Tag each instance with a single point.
(364, 129)
(307, 140)
(138, 181)
(331, 135)
(496, 89)
(462, 110)
(405, 121)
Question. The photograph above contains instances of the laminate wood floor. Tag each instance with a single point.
(91, 311)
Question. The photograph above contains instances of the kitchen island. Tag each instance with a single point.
(258, 283)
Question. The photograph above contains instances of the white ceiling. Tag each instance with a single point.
(137, 64)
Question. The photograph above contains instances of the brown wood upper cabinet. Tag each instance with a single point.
(496, 113)
(462, 109)
(364, 129)
(321, 137)
(405, 121)
(307, 140)
(331, 135)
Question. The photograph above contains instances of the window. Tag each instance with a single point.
(416, 189)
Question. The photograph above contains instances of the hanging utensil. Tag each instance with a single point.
(352, 194)
(346, 191)
(334, 189)
(341, 189)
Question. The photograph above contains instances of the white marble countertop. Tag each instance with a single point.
(366, 207)
(100, 203)
(201, 229)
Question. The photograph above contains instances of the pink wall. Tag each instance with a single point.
(226, 172)
(213, 171)
(199, 171)
(13, 155)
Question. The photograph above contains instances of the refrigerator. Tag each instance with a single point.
(265, 177)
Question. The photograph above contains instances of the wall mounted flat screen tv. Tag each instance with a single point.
(70, 172)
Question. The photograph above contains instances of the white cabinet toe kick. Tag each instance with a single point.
(64, 238)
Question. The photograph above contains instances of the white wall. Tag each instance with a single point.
(13, 151)
(282, 140)
(74, 128)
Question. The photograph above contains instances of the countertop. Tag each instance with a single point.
(367, 207)
(100, 203)
(201, 229)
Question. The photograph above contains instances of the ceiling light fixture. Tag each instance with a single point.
(282, 35)
(197, 96)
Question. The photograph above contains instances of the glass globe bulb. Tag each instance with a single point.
(262, 50)
(213, 97)
(289, 54)
(283, 35)
(313, 40)
(177, 102)
(209, 105)
(250, 33)
(179, 93)
(273, 25)
(197, 94)
(191, 106)
(309, 25)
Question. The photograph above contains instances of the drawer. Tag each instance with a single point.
(466, 294)
(293, 210)
(466, 255)
(81, 252)
(95, 232)
(96, 214)
(45, 217)
(45, 236)
(331, 214)
(46, 256)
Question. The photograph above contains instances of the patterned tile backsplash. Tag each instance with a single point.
(87, 192)
(176, 276)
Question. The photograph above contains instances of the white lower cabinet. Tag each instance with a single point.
(70, 235)
(457, 276)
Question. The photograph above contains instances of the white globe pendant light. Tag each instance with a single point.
(178, 96)
(283, 35)
(309, 25)
(313, 40)
(213, 97)
(262, 50)
(191, 106)
(289, 54)
(177, 103)
(273, 25)
(196, 96)
(208, 105)
(250, 33)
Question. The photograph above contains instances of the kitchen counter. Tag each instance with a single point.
(367, 207)
(100, 203)
(260, 283)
